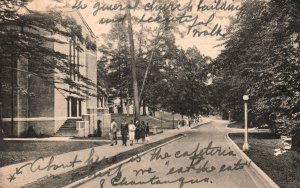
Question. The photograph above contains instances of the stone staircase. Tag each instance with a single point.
(68, 128)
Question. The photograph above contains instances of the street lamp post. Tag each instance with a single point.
(173, 121)
(1, 127)
(246, 145)
(160, 119)
(229, 116)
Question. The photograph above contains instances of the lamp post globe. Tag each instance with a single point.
(246, 98)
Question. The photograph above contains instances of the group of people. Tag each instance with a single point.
(133, 131)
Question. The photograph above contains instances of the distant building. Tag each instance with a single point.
(115, 107)
(50, 111)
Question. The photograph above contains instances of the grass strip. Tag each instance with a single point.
(283, 169)
(18, 151)
(80, 173)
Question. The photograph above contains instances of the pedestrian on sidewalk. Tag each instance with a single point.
(113, 132)
(137, 134)
(99, 126)
(147, 133)
(143, 130)
(131, 129)
(124, 132)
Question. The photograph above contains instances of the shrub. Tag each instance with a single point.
(31, 132)
(295, 134)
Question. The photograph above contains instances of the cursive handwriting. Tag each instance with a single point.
(197, 162)
(216, 31)
(169, 6)
(143, 171)
(219, 5)
(50, 165)
(113, 7)
(193, 166)
(78, 5)
(237, 166)
(208, 150)
(119, 180)
(157, 155)
(179, 13)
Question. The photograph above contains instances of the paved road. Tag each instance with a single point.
(198, 175)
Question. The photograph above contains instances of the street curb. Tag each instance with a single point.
(194, 127)
(232, 122)
(259, 171)
(86, 179)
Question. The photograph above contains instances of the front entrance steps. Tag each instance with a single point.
(68, 128)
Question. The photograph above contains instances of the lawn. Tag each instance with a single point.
(166, 124)
(238, 125)
(167, 116)
(283, 169)
(12, 152)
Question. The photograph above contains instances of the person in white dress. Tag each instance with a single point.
(131, 130)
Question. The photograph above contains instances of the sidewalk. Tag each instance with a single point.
(62, 163)
(58, 139)
(250, 130)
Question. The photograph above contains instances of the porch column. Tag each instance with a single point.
(70, 107)
(77, 107)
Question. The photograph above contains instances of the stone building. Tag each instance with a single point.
(50, 111)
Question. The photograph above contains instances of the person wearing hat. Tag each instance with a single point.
(113, 132)
(124, 132)
(137, 131)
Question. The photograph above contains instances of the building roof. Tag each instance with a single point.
(70, 10)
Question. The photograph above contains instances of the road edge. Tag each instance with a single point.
(86, 179)
(267, 180)
(200, 124)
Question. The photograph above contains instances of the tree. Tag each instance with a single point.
(143, 52)
(262, 56)
(185, 83)
(115, 55)
(136, 100)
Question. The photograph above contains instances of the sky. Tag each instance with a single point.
(206, 44)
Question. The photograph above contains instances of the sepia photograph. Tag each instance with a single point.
(150, 93)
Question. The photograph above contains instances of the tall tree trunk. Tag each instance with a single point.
(1, 102)
(149, 63)
(121, 92)
(127, 104)
(144, 108)
(133, 66)
(121, 102)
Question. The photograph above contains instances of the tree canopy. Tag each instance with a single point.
(261, 58)
(29, 34)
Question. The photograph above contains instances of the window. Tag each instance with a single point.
(74, 59)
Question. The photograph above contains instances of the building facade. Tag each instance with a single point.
(52, 111)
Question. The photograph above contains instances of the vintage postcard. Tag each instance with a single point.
(149, 93)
